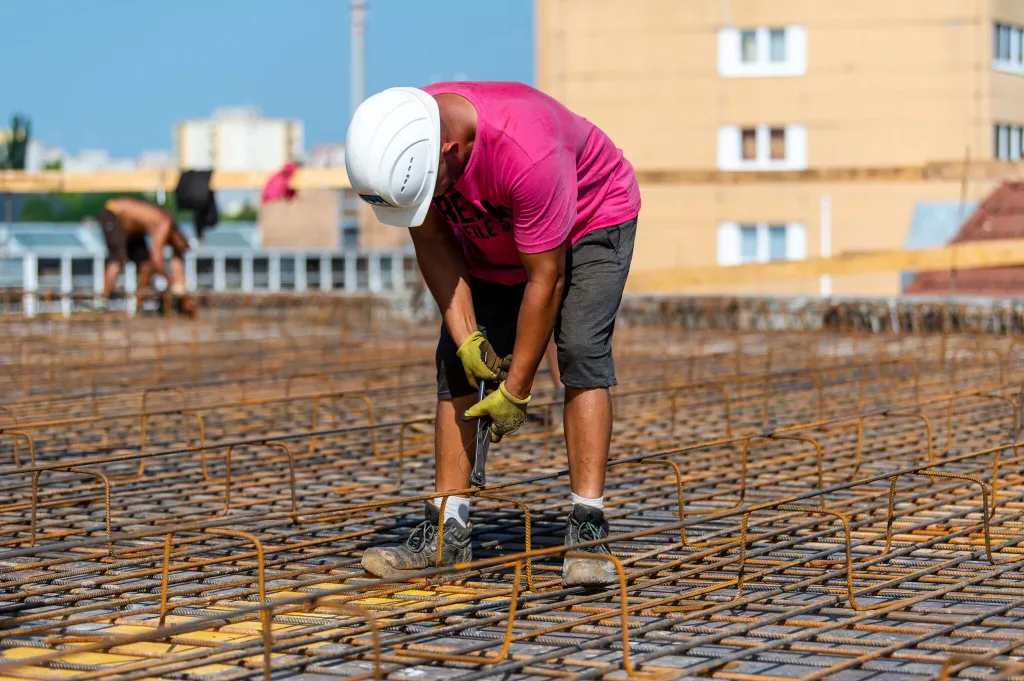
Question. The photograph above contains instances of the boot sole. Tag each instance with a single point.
(593, 580)
(379, 568)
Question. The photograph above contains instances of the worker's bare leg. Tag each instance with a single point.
(113, 269)
(588, 436)
(177, 282)
(144, 276)
(454, 442)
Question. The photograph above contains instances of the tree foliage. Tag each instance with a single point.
(78, 207)
(15, 150)
(247, 213)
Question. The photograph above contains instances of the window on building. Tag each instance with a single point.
(1008, 48)
(763, 51)
(742, 243)
(387, 281)
(776, 242)
(748, 243)
(748, 144)
(762, 147)
(350, 239)
(748, 47)
(411, 271)
(778, 144)
(1008, 142)
(777, 45)
(1003, 34)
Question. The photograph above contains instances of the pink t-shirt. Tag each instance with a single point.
(539, 176)
(279, 185)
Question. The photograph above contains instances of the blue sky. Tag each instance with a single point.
(118, 74)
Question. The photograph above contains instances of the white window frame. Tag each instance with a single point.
(730, 243)
(730, 148)
(731, 64)
(1007, 141)
(1014, 64)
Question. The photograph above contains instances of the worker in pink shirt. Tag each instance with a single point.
(523, 216)
(279, 186)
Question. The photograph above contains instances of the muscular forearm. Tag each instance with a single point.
(446, 275)
(533, 331)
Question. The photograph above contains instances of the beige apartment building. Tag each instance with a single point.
(775, 85)
(788, 84)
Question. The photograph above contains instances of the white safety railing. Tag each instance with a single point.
(64, 276)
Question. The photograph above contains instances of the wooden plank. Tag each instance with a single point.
(336, 178)
(698, 176)
(995, 253)
(150, 180)
(939, 171)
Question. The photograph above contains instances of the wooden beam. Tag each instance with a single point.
(995, 253)
(335, 178)
(48, 182)
(939, 171)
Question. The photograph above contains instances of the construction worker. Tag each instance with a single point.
(523, 216)
(126, 222)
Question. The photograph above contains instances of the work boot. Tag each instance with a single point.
(184, 306)
(584, 524)
(419, 551)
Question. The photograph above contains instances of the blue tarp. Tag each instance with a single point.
(934, 224)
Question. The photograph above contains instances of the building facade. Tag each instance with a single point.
(786, 85)
(238, 139)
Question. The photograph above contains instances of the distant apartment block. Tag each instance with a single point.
(326, 155)
(39, 156)
(238, 139)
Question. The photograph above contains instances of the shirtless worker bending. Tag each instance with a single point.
(523, 216)
(125, 223)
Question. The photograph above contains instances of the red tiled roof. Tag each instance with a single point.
(1000, 216)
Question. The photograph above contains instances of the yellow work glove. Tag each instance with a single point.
(472, 353)
(506, 411)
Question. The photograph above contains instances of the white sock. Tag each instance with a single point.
(597, 503)
(457, 507)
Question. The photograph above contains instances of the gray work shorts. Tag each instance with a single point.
(596, 268)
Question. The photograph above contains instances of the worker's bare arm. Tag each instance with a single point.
(537, 314)
(446, 274)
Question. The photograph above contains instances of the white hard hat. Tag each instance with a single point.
(392, 151)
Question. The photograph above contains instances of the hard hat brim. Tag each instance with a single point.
(404, 217)
(413, 216)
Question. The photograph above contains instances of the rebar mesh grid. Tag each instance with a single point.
(192, 500)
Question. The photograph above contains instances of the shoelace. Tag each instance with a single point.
(589, 532)
(421, 536)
